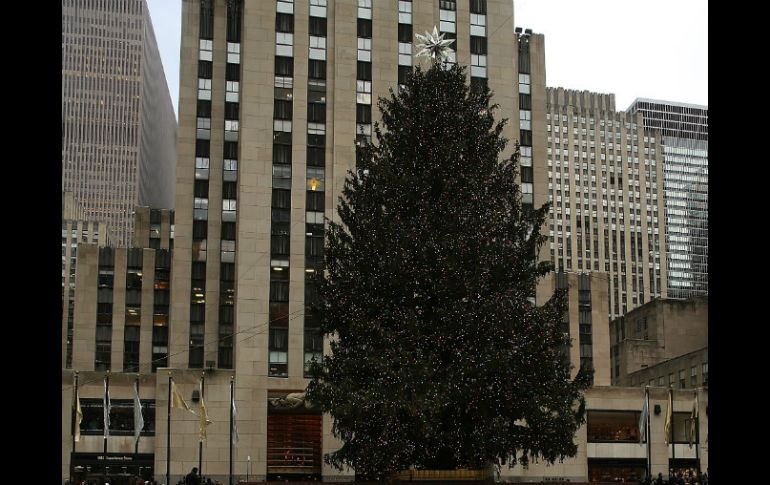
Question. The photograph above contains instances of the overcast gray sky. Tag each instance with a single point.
(633, 48)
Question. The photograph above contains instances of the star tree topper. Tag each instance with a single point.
(434, 45)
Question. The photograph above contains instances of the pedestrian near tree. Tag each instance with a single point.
(192, 478)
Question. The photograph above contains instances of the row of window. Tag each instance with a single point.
(681, 378)
(315, 205)
(121, 417)
(225, 343)
(525, 126)
(133, 303)
(623, 426)
(315, 182)
(281, 214)
(364, 66)
(591, 121)
(201, 186)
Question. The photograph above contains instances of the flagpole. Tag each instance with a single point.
(74, 424)
(697, 432)
(168, 434)
(673, 430)
(106, 424)
(136, 441)
(200, 440)
(232, 400)
(648, 433)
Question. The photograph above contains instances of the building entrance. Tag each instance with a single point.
(115, 468)
(294, 437)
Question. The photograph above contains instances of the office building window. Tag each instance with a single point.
(364, 49)
(201, 168)
(285, 6)
(365, 9)
(284, 44)
(228, 210)
(205, 50)
(131, 347)
(121, 417)
(232, 89)
(478, 6)
(233, 53)
(230, 173)
(525, 119)
(317, 48)
(284, 23)
(478, 25)
(613, 426)
(478, 45)
(201, 209)
(448, 4)
(278, 364)
(313, 348)
(447, 21)
(405, 12)
(284, 72)
(317, 8)
(231, 130)
(364, 92)
(524, 84)
(317, 26)
(204, 89)
(404, 54)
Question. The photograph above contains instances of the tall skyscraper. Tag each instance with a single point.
(604, 180)
(684, 130)
(118, 123)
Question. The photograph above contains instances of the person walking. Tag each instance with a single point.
(192, 478)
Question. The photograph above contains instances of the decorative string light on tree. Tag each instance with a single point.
(439, 361)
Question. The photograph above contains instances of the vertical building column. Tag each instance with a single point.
(148, 301)
(253, 233)
(660, 203)
(165, 229)
(342, 49)
(216, 157)
(118, 309)
(179, 326)
(84, 324)
(384, 53)
(463, 42)
(343, 66)
(600, 329)
(502, 71)
(298, 189)
(424, 18)
(574, 318)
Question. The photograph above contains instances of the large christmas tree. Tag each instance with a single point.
(439, 360)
